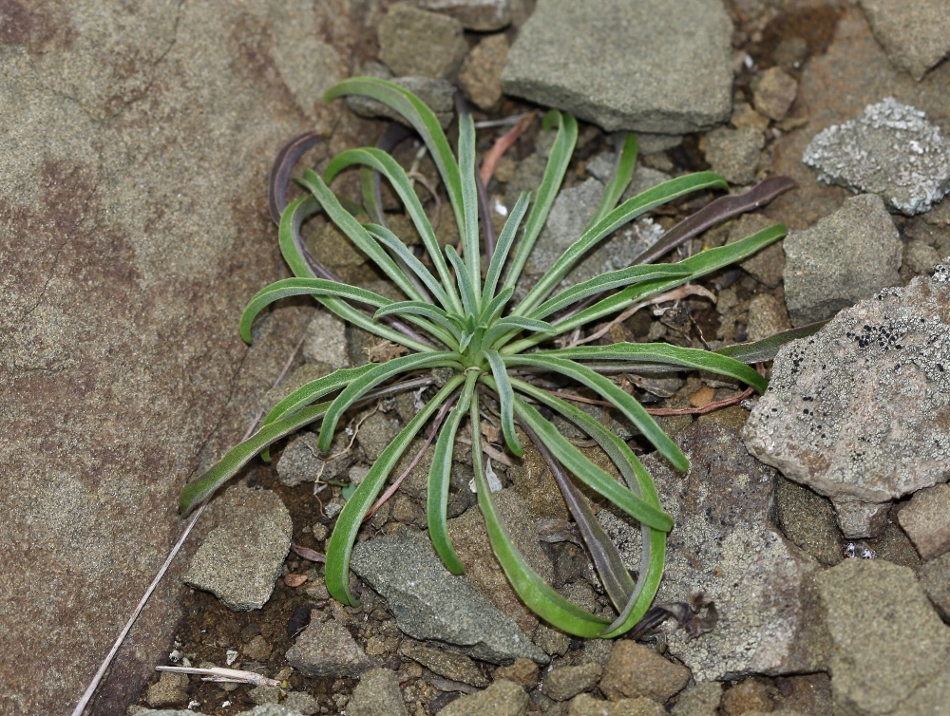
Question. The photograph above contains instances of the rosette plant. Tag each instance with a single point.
(484, 351)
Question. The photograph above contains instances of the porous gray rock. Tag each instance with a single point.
(856, 411)
(325, 649)
(642, 65)
(844, 258)
(726, 546)
(377, 694)
(567, 682)
(587, 705)
(889, 648)
(773, 92)
(414, 42)
(405, 570)
(926, 520)
(635, 670)
(449, 664)
(241, 558)
(915, 35)
(478, 15)
(890, 150)
(734, 153)
(502, 698)
(934, 577)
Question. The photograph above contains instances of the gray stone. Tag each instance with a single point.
(263, 710)
(241, 558)
(376, 433)
(915, 35)
(138, 137)
(572, 210)
(828, 417)
(567, 682)
(935, 579)
(170, 689)
(920, 258)
(502, 698)
(478, 15)
(926, 520)
(635, 670)
(734, 153)
(436, 94)
(808, 520)
(724, 537)
(480, 77)
(587, 705)
(414, 42)
(702, 699)
(889, 648)
(890, 150)
(844, 258)
(302, 462)
(767, 316)
(648, 66)
(456, 667)
(765, 266)
(325, 340)
(404, 569)
(773, 93)
(325, 649)
(377, 694)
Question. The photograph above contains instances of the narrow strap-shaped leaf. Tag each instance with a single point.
(513, 324)
(469, 299)
(340, 544)
(392, 242)
(237, 457)
(506, 399)
(493, 309)
(767, 348)
(356, 233)
(423, 121)
(469, 231)
(603, 552)
(623, 214)
(623, 173)
(304, 287)
(326, 292)
(664, 353)
(534, 592)
(589, 473)
(371, 199)
(698, 265)
(372, 378)
(396, 175)
(314, 390)
(558, 160)
(607, 282)
(637, 478)
(627, 404)
(290, 222)
(280, 171)
(505, 241)
(448, 330)
(440, 478)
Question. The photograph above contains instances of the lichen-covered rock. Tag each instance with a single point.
(860, 411)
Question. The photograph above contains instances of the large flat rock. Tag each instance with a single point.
(133, 229)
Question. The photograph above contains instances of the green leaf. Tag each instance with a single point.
(373, 377)
(625, 403)
(558, 160)
(607, 282)
(392, 242)
(588, 473)
(329, 293)
(665, 354)
(291, 220)
(237, 457)
(469, 230)
(534, 592)
(623, 214)
(314, 390)
(340, 544)
(469, 299)
(450, 324)
(423, 121)
(396, 175)
(698, 265)
(767, 348)
(506, 399)
(356, 233)
(503, 247)
(440, 477)
(623, 173)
